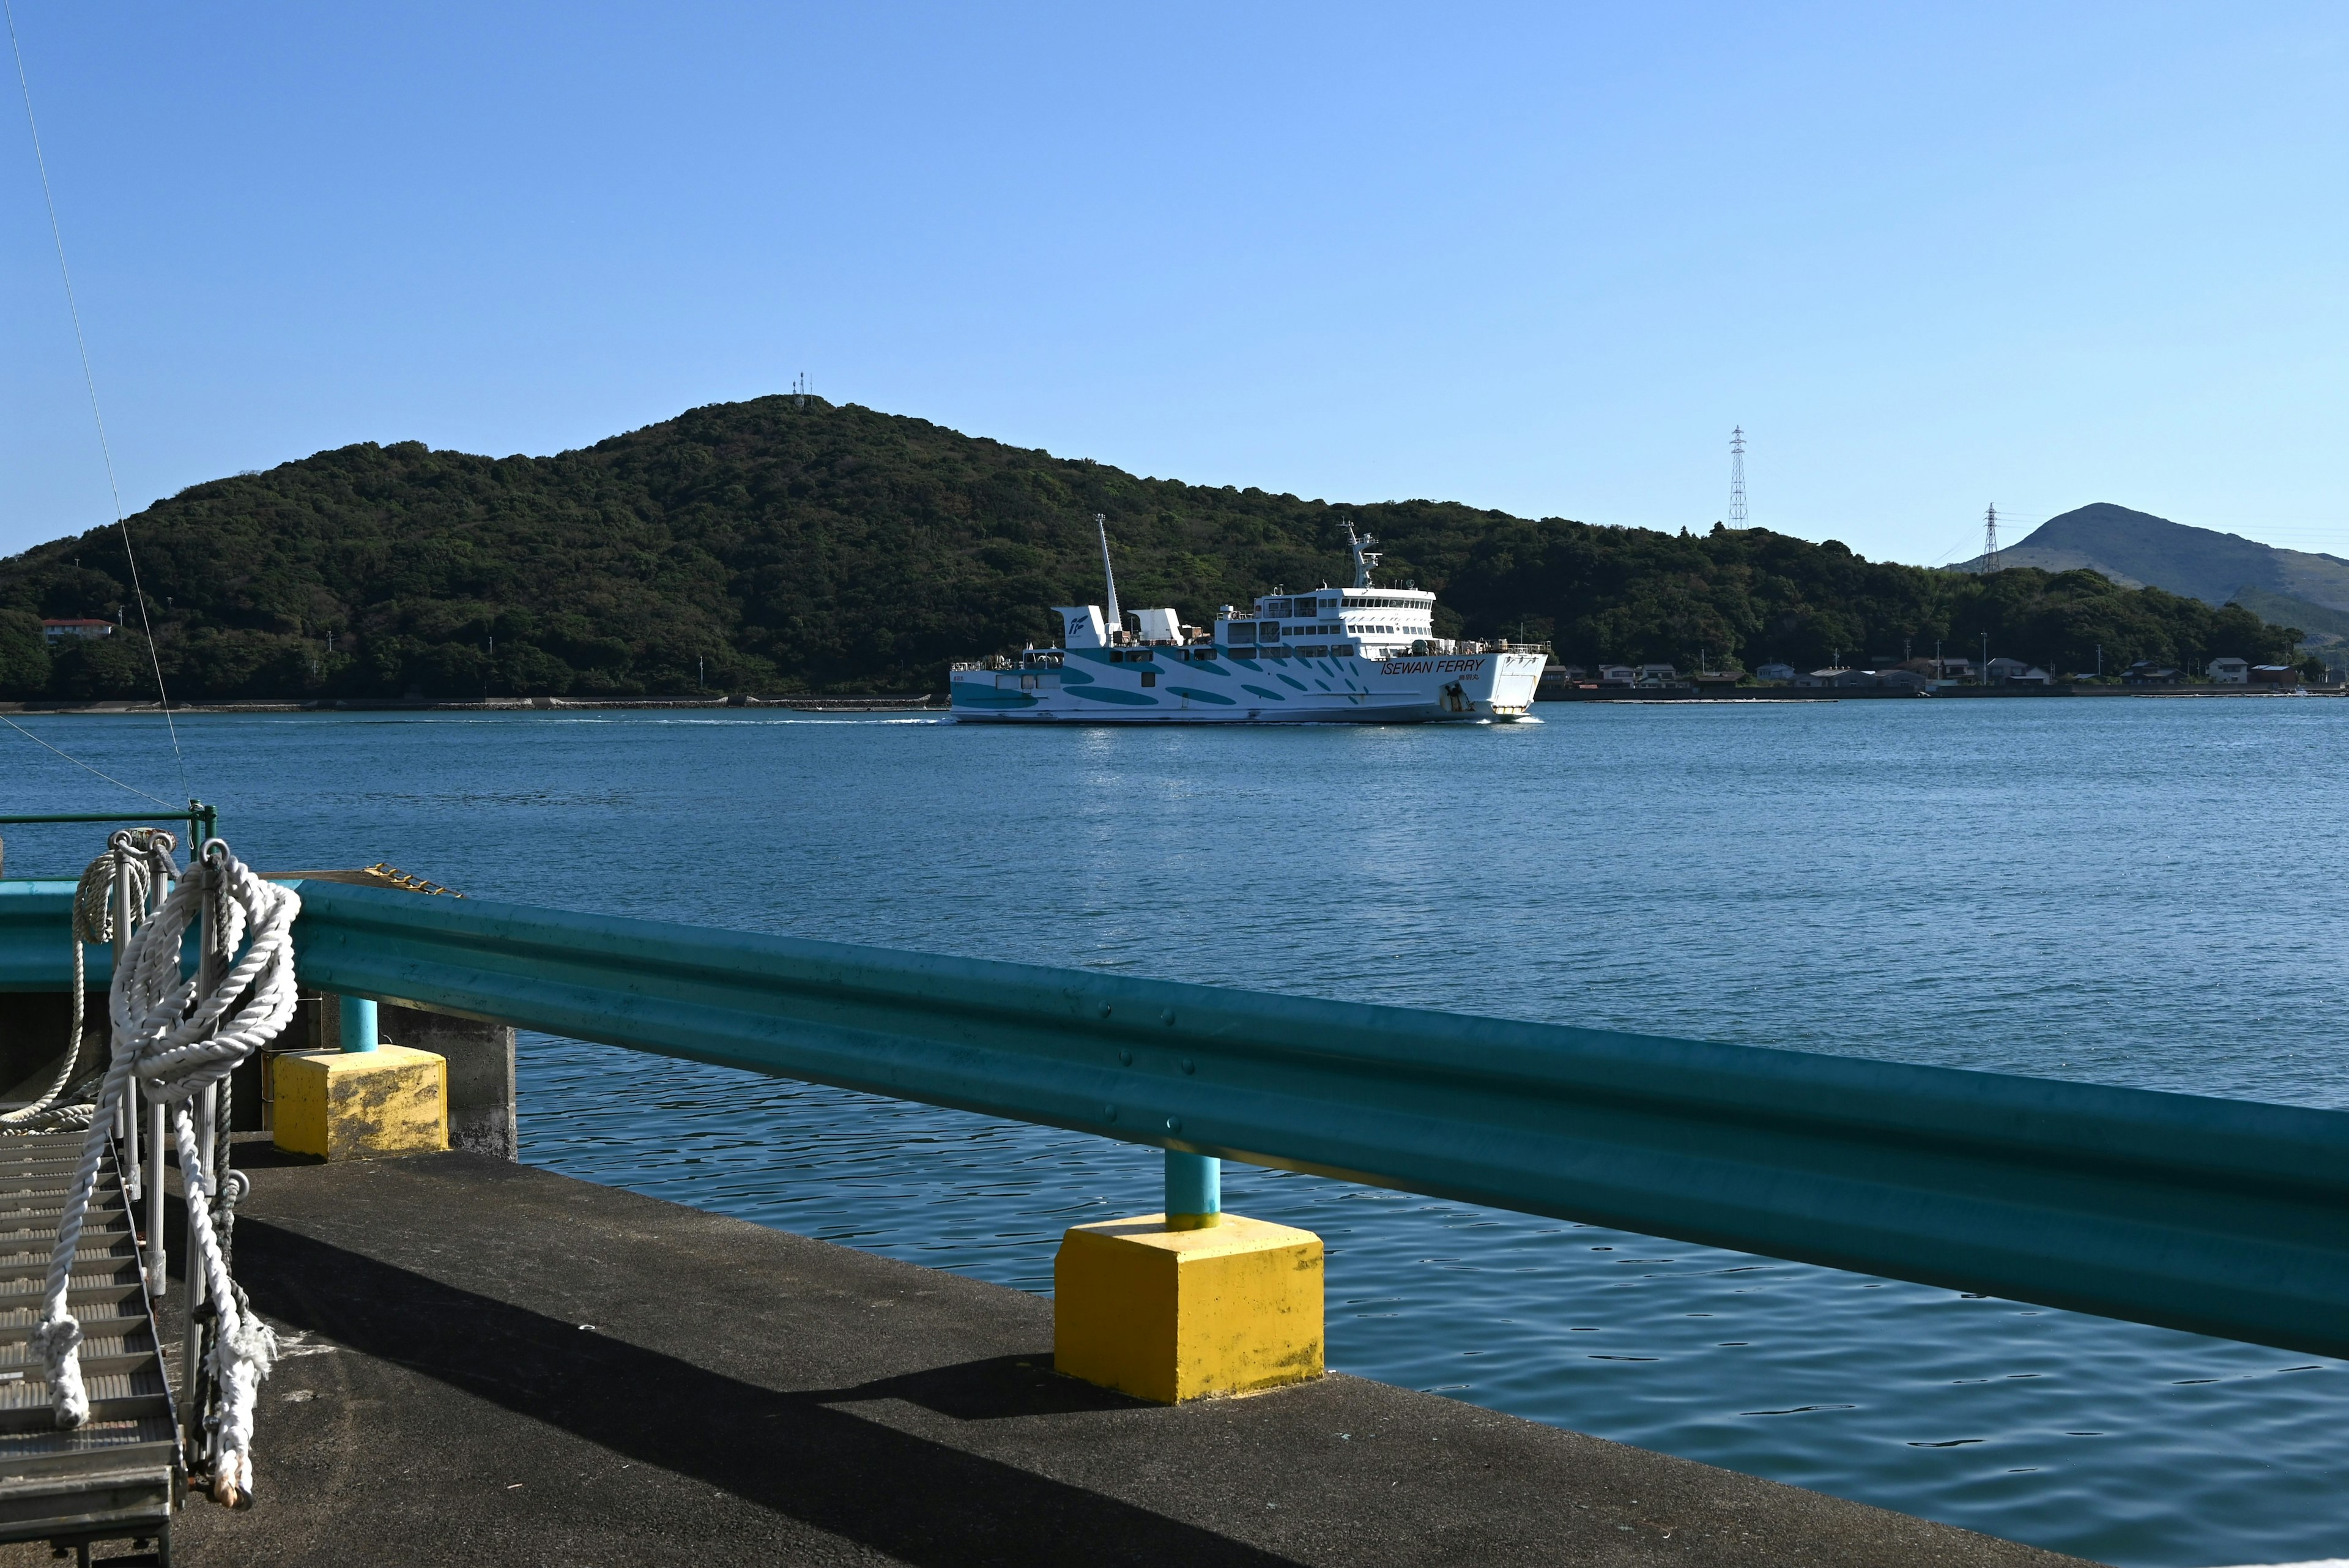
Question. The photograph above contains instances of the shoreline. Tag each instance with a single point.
(934, 702)
(938, 702)
(1964, 693)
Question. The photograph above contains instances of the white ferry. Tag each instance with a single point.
(1359, 654)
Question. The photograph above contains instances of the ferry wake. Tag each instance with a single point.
(1357, 655)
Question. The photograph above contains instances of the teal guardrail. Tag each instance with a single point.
(35, 937)
(2224, 1217)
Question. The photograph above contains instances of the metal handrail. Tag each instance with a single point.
(2221, 1216)
(203, 821)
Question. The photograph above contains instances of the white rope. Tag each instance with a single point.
(93, 921)
(177, 1039)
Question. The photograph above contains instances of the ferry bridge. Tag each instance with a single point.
(486, 1362)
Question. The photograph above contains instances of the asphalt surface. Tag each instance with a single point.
(489, 1364)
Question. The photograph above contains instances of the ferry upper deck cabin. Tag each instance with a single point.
(1375, 623)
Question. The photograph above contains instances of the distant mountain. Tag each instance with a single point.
(789, 545)
(2137, 549)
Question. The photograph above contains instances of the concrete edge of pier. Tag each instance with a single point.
(485, 1362)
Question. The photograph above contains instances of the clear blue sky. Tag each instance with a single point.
(1540, 258)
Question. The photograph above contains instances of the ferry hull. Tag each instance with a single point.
(1176, 686)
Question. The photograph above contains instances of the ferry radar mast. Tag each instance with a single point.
(1116, 621)
(1364, 556)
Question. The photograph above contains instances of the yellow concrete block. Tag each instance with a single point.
(1180, 1314)
(360, 1105)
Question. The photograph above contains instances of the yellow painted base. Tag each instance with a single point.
(361, 1105)
(1181, 1314)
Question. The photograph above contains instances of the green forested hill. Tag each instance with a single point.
(814, 547)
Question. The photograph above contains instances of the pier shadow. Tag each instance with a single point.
(797, 1453)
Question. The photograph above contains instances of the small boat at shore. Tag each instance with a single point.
(1362, 654)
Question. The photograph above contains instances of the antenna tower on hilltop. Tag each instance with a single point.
(1737, 477)
(799, 390)
(1990, 541)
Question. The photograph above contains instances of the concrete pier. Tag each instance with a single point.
(487, 1363)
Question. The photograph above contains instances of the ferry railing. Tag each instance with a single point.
(2221, 1216)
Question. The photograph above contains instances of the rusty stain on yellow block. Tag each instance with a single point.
(1181, 1314)
(361, 1105)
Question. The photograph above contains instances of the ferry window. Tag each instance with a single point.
(1276, 606)
(1239, 631)
(1205, 653)
(1269, 632)
(1150, 678)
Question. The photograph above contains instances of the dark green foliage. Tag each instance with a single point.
(823, 548)
(89, 668)
(24, 658)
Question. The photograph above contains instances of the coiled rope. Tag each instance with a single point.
(177, 1038)
(93, 921)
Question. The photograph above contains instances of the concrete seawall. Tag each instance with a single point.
(489, 1363)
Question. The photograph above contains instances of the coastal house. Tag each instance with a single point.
(1904, 679)
(1774, 673)
(1618, 675)
(1557, 679)
(76, 626)
(1658, 675)
(2145, 672)
(1999, 671)
(2274, 675)
(2228, 671)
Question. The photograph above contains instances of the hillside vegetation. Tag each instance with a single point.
(771, 547)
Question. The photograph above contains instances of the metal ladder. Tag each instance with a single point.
(118, 1474)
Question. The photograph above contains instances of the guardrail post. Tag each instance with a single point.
(358, 1023)
(1194, 1191)
(1191, 1302)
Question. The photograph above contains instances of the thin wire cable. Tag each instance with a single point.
(77, 762)
(90, 377)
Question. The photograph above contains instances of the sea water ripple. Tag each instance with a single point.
(2137, 891)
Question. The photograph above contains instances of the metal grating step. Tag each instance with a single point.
(97, 1248)
(30, 1238)
(114, 1318)
(128, 1395)
(117, 1473)
(115, 1352)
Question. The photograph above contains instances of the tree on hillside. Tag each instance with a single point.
(23, 655)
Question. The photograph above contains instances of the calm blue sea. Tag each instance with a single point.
(2138, 892)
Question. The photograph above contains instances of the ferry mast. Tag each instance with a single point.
(1364, 556)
